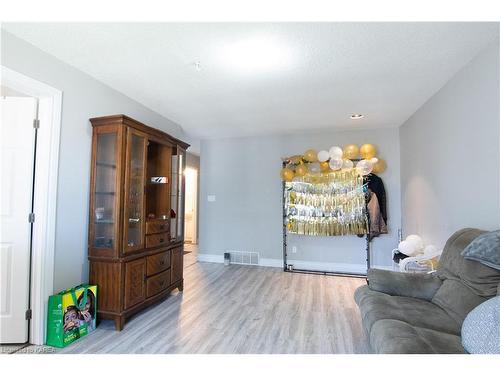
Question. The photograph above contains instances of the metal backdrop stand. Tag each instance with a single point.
(289, 267)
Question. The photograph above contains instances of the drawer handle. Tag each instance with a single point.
(161, 240)
(162, 263)
(162, 226)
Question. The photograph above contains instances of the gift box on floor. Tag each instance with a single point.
(72, 314)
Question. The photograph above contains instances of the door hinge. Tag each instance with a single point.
(28, 314)
(31, 217)
(36, 123)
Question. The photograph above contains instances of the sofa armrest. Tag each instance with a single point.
(416, 285)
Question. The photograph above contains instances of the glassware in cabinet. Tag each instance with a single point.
(104, 192)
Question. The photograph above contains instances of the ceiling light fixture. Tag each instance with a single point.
(356, 116)
(255, 55)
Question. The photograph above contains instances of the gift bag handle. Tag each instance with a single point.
(81, 306)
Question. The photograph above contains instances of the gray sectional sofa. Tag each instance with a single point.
(423, 313)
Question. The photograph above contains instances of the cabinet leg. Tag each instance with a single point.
(119, 322)
(181, 286)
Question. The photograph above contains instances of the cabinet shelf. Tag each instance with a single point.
(105, 192)
(106, 165)
(104, 221)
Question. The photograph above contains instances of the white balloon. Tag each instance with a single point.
(323, 156)
(374, 161)
(407, 248)
(364, 167)
(347, 164)
(336, 152)
(314, 168)
(336, 164)
(417, 241)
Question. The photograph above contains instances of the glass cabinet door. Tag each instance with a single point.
(104, 214)
(174, 194)
(180, 218)
(134, 191)
(177, 195)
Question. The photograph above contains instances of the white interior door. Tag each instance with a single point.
(17, 141)
(190, 215)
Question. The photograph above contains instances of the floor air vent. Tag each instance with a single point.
(244, 257)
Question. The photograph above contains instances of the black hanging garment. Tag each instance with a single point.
(376, 185)
(376, 210)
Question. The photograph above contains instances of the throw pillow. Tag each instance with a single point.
(481, 328)
(485, 249)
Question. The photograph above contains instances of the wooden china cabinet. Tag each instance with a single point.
(136, 220)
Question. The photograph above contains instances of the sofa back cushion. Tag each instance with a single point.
(466, 283)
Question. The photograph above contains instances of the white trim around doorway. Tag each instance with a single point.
(45, 196)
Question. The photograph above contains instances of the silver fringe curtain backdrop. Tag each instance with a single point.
(330, 204)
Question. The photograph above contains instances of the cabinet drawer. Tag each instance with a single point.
(157, 263)
(154, 240)
(155, 284)
(156, 226)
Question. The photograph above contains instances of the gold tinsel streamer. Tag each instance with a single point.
(329, 204)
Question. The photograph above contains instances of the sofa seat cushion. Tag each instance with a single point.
(376, 306)
(390, 336)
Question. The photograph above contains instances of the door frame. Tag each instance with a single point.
(45, 195)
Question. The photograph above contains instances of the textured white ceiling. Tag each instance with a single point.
(327, 71)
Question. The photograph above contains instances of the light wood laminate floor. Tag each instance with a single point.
(241, 309)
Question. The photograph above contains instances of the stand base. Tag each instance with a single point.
(327, 273)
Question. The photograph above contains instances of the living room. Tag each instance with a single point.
(250, 187)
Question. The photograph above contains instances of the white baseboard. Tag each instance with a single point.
(270, 262)
(298, 264)
(210, 258)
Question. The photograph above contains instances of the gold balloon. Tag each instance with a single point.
(351, 152)
(368, 151)
(295, 159)
(379, 166)
(301, 170)
(324, 166)
(311, 155)
(287, 174)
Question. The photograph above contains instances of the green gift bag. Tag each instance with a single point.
(72, 314)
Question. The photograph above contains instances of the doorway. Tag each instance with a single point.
(191, 212)
(30, 128)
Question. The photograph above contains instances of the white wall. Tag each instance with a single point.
(243, 174)
(450, 158)
(83, 98)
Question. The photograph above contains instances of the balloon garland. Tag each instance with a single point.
(337, 159)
